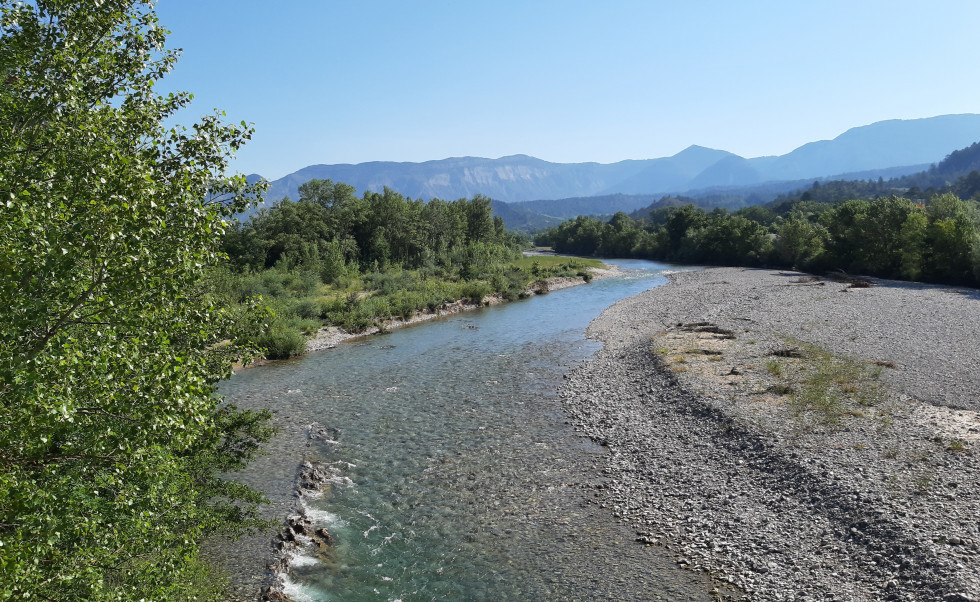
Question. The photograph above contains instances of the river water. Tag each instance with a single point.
(458, 476)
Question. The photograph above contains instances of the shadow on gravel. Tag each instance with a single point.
(868, 281)
(898, 557)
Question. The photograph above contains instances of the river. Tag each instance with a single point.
(458, 475)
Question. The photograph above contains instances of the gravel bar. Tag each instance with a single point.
(712, 455)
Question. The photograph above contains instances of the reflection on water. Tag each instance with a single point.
(460, 479)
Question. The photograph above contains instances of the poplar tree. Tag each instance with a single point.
(110, 345)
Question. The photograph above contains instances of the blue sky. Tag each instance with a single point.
(565, 81)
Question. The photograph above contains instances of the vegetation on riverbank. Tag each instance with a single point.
(332, 258)
(890, 237)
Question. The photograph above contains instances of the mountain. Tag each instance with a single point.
(514, 178)
(882, 144)
(592, 205)
(879, 146)
(731, 197)
(671, 173)
(519, 218)
(958, 173)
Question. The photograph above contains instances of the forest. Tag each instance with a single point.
(334, 258)
(890, 237)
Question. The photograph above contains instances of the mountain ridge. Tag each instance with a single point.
(520, 177)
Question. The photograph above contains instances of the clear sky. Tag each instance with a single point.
(330, 81)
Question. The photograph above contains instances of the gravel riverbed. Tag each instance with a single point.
(699, 394)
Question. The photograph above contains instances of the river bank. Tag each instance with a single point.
(331, 336)
(295, 457)
(721, 451)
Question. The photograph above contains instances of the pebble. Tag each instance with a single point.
(806, 511)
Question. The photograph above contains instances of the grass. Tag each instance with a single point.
(957, 445)
(774, 367)
(556, 263)
(699, 351)
(825, 386)
(922, 484)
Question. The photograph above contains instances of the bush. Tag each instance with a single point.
(475, 291)
(330, 306)
(308, 309)
(406, 303)
(376, 307)
(281, 341)
(388, 283)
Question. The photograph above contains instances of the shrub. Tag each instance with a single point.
(330, 306)
(308, 309)
(376, 307)
(281, 342)
(475, 291)
(388, 283)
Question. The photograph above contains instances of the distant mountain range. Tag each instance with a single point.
(887, 148)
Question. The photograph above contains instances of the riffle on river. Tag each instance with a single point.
(458, 476)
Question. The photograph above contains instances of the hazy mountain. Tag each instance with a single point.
(518, 218)
(882, 144)
(670, 173)
(507, 179)
(732, 196)
(879, 146)
(592, 205)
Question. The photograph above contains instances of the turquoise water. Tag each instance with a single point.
(457, 475)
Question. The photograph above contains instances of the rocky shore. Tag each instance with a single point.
(799, 438)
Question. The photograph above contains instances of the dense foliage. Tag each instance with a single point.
(110, 340)
(330, 228)
(355, 262)
(891, 237)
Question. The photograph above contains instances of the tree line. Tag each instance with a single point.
(890, 237)
(335, 258)
(330, 229)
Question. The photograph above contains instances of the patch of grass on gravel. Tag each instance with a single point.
(826, 386)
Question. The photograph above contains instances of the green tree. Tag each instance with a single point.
(844, 240)
(798, 241)
(735, 239)
(479, 219)
(445, 224)
(110, 344)
(912, 241)
(681, 224)
(880, 230)
(951, 238)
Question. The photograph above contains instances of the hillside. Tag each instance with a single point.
(517, 178)
(958, 173)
